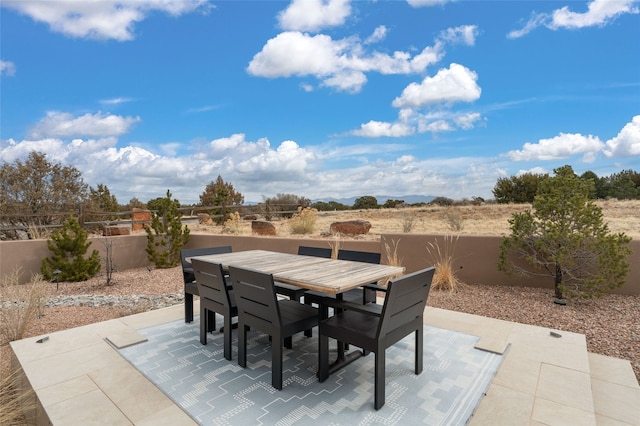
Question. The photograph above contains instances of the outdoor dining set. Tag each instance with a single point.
(282, 294)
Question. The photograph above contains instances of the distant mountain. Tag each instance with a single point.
(409, 199)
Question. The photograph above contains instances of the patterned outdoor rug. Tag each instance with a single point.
(215, 391)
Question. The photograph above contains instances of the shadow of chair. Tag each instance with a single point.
(294, 292)
(260, 309)
(215, 296)
(190, 287)
(374, 328)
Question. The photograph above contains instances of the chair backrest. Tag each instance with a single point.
(405, 300)
(211, 283)
(359, 256)
(315, 251)
(203, 251)
(256, 298)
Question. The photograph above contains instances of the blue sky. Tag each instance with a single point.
(322, 99)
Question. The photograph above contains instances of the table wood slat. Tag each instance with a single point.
(313, 273)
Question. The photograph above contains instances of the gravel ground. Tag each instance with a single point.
(611, 324)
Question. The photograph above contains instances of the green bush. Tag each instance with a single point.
(166, 235)
(69, 245)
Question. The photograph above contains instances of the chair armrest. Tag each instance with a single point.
(376, 287)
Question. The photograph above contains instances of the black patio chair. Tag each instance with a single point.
(375, 328)
(190, 287)
(260, 309)
(364, 295)
(294, 292)
(215, 296)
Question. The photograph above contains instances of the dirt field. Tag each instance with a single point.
(490, 219)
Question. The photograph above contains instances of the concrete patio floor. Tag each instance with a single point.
(80, 378)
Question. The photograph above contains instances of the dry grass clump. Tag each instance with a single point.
(232, 225)
(14, 399)
(409, 219)
(441, 254)
(391, 251)
(303, 222)
(21, 304)
(453, 218)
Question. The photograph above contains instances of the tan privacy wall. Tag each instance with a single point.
(475, 258)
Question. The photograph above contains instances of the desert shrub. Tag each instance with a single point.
(366, 202)
(441, 201)
(20, 304)
(232, 224)
(166, 235)
(284, 205)
(304, 221)
(323, 206)
(441, 254)
(69, 245)
(409, 218)
(566, 239)
(454, 219)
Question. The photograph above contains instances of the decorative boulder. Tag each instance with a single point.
(110, 231)
(262, 227)
(351, 227)
(140, 215)
(204, 219)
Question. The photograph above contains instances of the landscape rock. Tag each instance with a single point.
(110, 231)
(205, 219)
(262, 227)
(140, 215)
(351, 227)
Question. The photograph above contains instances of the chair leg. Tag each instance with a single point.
(323, 357)
(379, 379)
(419, 349)
(276, 362)
(288, 342)
(211, 321)
(242, 345)
(227, 336)
(204, 317)
(188, 307)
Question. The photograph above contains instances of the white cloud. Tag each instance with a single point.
(454, 84)
(599, 13)
(115, 101)
(314, 15)
(376, 129)
(562, 146)
(340, 64)
(426, 3)
(7, 68)
(104, 19)
(627, 142)
(465, 34)
(379, 34)
(63, 124)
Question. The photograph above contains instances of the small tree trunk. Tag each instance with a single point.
(558, 281)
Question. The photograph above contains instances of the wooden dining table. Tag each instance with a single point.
(313, 273)
(330, 276)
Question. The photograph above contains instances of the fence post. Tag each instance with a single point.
(81, 214)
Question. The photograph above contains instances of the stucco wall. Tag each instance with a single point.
(475, 257)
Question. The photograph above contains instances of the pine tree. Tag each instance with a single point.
(566, 238)
(166, 235)
(69, 245)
